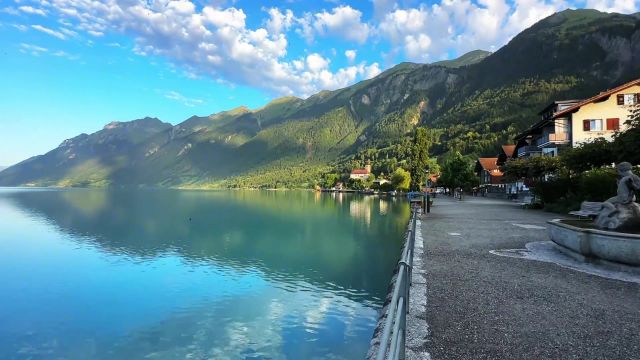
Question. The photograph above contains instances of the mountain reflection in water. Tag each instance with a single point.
(169, 273)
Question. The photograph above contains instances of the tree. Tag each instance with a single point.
(330, 180)
(626, 142)
(534, 168)
(457, 173)
(419, 160)
(401, 179)
(590, 155)
(356, 184)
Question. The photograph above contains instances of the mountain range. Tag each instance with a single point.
(472, 104)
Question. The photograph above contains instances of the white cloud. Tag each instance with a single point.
(31, 10)
(217, 43)
(343, 21)
(10, 10)
(279, 22)
(350, 55)
(51, 32)
(32, 49)
(618, 6)
(21, 27)
(190, 102)
(431, 32)
(316, 63)
(372, 70)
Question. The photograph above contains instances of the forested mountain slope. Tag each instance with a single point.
(472, 104)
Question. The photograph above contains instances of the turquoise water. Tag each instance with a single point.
(166, 274)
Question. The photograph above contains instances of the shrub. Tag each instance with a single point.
(597, 185)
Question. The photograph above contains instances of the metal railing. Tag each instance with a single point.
(395, 325)
(528, 150)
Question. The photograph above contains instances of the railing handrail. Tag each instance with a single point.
(395, 322)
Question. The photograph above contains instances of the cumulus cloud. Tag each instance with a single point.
(279, 22)
(426, 33)
(618, 6)
(217, 42)
(343, 21)
(350, 55)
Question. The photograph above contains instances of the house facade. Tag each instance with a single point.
(602, 115)
(361, 174)
(549, 134)
(569, 123)
(489, 172)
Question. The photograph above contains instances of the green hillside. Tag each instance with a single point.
(469, 58)
(472, 104)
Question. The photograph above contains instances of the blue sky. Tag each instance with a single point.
(71, 66)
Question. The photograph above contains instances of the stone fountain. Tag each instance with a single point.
(615, 234)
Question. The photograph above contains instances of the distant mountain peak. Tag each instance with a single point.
(470, 58)
(143, 121)
(112, 125)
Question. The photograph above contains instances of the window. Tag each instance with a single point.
(628, 99)
(613, 124)
(592, 125)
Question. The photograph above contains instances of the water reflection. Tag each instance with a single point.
(166, 274)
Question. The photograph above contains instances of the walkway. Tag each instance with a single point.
(484, 306)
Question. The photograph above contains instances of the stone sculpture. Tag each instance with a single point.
(621, 211)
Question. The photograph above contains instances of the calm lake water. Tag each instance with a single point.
(166, 274)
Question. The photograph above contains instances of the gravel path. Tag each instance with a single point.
(484, 306)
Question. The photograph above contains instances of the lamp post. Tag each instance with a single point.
(427, 205)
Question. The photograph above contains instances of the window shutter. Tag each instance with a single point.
(620, 98)
(613, 124)
(586, 125)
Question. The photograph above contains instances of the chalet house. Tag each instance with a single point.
(506, 153)
(548, 134)
(570, 123)
(489, 172)
(361, 174)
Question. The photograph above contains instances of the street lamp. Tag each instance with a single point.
(427, 205)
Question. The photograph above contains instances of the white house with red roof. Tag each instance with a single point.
(361, 174)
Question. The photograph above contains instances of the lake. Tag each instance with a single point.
(166, 274)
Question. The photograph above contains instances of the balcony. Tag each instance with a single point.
(553, 139)
(530, 150)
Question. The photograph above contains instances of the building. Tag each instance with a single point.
(380, 182)
(506, 153)
(569, 123)
(601, 115)
(361, 174)
(547, 135)
(489, 172)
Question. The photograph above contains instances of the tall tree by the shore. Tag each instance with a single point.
(420, 160)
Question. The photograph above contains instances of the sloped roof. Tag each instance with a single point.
(359, 172)
(509, 149)
(602, 95)
(489, 164)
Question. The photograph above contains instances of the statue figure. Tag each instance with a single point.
(621, 211)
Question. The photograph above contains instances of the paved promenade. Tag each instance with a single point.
(484, 306)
